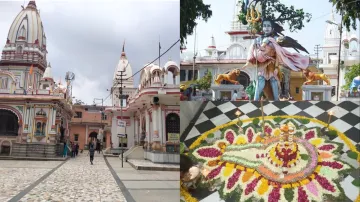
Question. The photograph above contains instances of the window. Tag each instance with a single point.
(196, 74)
(329, 61)
(182, 75)
(76, 137)
(103, 116)
(190, 73)
(78, 115)
(297, 90)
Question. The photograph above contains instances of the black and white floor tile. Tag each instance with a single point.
(346, 119)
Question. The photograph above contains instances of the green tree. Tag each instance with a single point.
(353, 72)
(278, 12)
(190, 10)
(350, 10)
(205, 82)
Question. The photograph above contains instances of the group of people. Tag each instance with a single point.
(74, 149)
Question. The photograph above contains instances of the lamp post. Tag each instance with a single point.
(339, 59)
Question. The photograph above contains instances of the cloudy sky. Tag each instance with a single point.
(223, 12)
(86, 37)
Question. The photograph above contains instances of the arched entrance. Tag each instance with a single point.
(93, 135)
(172, 124)
(5, 148)
(9, 123)
(243, 79)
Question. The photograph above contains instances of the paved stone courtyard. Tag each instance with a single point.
(77, 180)
(146, 185)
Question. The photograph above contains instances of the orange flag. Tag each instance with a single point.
(31, 69)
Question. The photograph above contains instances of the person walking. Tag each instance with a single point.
(65, 150)
(91, 152)
(77, 149)
(73, 150)
(98, 146)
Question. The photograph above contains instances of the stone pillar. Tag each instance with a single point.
(141, 131)
(136, 132)
(166, 77)
(160, 121)
(156, 129)
(163, 122)
(147, 128)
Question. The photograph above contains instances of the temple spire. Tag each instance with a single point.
(123, 50)
(31, 4)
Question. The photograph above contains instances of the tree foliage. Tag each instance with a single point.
(351, 12)
(190, 10)
(353, 72)
(278, 12)
(205, 82)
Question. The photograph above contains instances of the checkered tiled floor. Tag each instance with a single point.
(346, 119)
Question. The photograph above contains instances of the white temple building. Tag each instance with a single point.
(350, 53)
(151, 112)
(222, 61)
(34, 109)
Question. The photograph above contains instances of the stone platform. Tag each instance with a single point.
(148, 165)
(33, 158)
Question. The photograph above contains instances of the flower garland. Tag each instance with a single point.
(342, 136)
(253, 184)
(187, 196)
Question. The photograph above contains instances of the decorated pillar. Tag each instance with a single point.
(136, 131)
(166, 77)
(163, 121)
(156, 129)
(147, 128)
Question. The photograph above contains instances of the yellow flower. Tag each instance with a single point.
(304, 181)
(295, 184)
(241, 140)
(228, 171)
(263, 187)
(186, 195)
(312, 176)
(286, 186)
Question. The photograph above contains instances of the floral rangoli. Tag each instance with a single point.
(300, 166)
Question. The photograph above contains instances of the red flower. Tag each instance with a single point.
(250, 135)
(268, 130)
(334, 165)
(309, 135)
(325, 183)
(327, 147)
(230, 136)
(214, 172)
(209, 152)
(274, 196)
(233, 179)
(302, 196)
(251, 187)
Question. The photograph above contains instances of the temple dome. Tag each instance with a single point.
(27, 27)
(48, 73)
